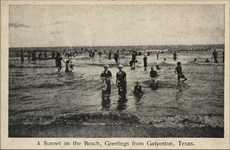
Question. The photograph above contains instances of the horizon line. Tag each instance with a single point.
(121, 45)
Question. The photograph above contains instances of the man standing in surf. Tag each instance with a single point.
(174, 56)
(179, 72)
(116, 56)
(106, 76)
(215, 56)
(145, 62)
(58, 60)
(121, 83)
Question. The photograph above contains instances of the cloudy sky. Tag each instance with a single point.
(91, 25)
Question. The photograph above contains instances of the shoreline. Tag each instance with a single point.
(105, 131)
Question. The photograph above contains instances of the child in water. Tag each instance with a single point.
(68, 65)
(153, 75)
(106, 77)
(138, 90)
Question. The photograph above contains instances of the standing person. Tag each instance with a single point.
(174, 56)
(157, 55)
(71, 66)
(133, 60)
(131, 64)
(116, 56)
(145, 62)
(110, 54)
(58, 60)
(134, 55)
(179, 72)
(45, 55)
(223, 56)
(67, 69)
(40, 56)
(90, 53)
(106, 76)
(121, 83)
(215, 56)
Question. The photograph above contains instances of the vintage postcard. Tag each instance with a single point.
(115, 74)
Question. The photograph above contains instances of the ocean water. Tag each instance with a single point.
(39, 95)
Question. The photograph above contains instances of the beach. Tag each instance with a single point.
(45, 103)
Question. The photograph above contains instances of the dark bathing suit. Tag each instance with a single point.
(179, 72)
(138, 91)
(122, 84)
(107, 75)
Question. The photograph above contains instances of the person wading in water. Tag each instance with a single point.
(138, 90)
(174, 56)
(215, 56)
(68, 65)
(145, 62)
(153, 75)
(106, 76)
(58, 60)
(133, 60)
(179, 72)
(116, 56)
(121, 83)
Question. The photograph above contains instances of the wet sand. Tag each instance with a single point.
(107, 131)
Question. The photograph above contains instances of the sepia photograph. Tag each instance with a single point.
(113, 71)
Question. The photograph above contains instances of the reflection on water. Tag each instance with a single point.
(122, 104)
(179, 94)
(179, 91)
(138, 103)
(105, 102)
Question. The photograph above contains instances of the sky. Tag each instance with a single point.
(115, 25)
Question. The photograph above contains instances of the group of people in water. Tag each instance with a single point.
(68, 63)
(121, 80)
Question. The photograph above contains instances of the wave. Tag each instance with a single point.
(43, 85)
(205, 63)
(108, 118)
(31, 66)
(167, 84)
(119, 118)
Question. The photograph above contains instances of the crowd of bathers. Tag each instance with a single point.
(106, 75)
